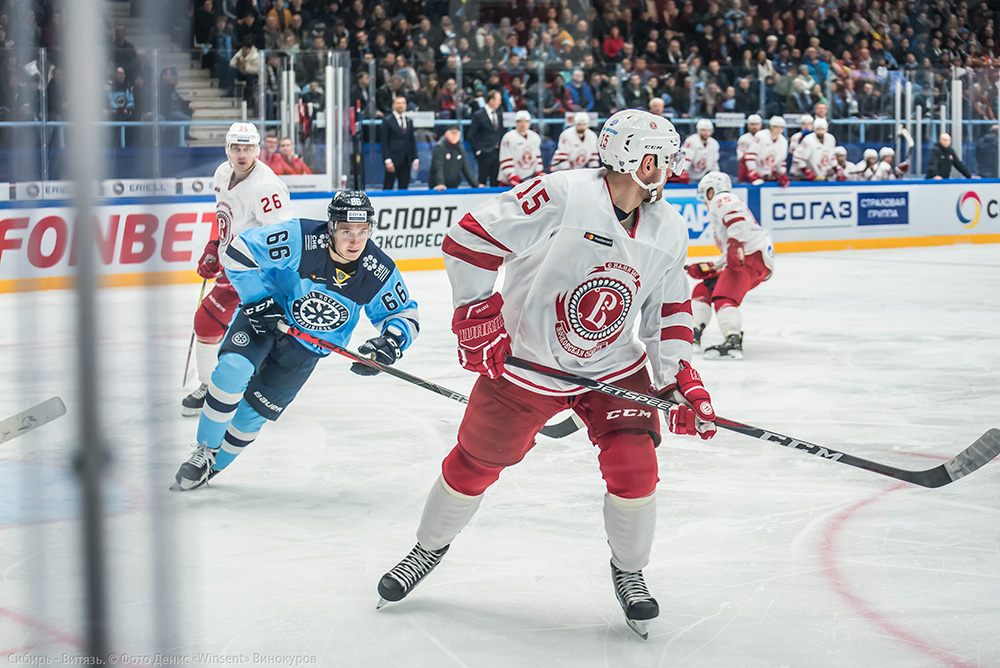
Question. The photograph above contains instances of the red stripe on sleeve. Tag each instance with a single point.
(676, 333)
(730, 221)
(472, 226)
(670, 309)
(476, 259)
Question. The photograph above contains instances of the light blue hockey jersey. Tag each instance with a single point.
(290, 262)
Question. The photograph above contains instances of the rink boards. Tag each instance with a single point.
(149, 235)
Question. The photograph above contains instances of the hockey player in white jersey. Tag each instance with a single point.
(247, 194)
(766, 157)
(520, 152)
(842, 169)
(884, 170)
(868, 167)
(701, 151)
(743, 144)
(814, 158)
(747, 261)
(805, 128)
(577, 147)
(594, 285)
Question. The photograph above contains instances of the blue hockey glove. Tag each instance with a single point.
(383, 349)
(264, 316)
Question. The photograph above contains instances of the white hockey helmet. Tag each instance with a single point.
(805, 119)
(522, 115)
(581, 118)
(777, 121)
(886, 151)
(704, 124)
(821, 124)
(754, 118)
(630, 135)
(242, 133)
(871, 153)
(717, 181)
(840, 150)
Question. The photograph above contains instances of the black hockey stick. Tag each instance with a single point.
(36, 416)
(558, 430)
(984, 449)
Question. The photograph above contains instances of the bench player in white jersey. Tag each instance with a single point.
(520, 152)
(842, 169)
(577, 147)
(805, 129)
(867, 169)
(767, 155)
(743, 144)
(884, 171)
(747, 260)
(814, 157)
(589, 255)
(247, 194)
(701, 151)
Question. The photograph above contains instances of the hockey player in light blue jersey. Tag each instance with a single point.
(317, 276)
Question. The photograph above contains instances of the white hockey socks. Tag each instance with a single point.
(700, 312)
(445, 514)
(630, 524)
(206, 356)
(730, 320)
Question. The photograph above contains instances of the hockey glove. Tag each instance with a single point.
(483, 342)
(753, 176)
(264, 316)
(809, 174)
(735, 258)
(783, 180)
(515, 180)
(208, 264)
(702, 271)
(383, 349)
(693, 414)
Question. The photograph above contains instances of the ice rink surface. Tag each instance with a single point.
(764, 557)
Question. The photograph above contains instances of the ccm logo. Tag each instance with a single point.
(628, 412)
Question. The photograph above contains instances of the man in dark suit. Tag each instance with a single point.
(484, 135)
(399, 146)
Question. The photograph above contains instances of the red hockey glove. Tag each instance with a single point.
(753, 175)
(783, 180)
(208, 264)
(703, 271)
(734, 255)
(514, 180)
(809, 174)
(483, 342)
(694, 414)
(841, 174)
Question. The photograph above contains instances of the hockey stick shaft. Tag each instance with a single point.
(558, 430)
(984, 449)
(187, 365)
(34, 417)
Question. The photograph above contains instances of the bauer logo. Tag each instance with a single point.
(884, 208)
(968, 209)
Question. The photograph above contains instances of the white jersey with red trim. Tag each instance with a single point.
(730, 218)
(767, 157)
(743, 144)
(815, 154)
(867, 172)
(795, 140)
(700, 157)
(848, 170)
(259, 199)
(576, 282)
(520, 156)
(572, 152)
(883, 171)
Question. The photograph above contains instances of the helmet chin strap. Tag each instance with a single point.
(655, 189)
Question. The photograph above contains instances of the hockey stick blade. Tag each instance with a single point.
(34, 417)
(558, 430)
(981, 452)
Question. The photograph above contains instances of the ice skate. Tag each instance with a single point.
(407, 574)
(730, 349)
(635, 600)
(696, 336)
(196, 471)
(191, 404)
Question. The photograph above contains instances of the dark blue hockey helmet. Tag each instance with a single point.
(350, 206)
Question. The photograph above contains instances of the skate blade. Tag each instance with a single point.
(190, 412)
(641, 627)
(714, 355)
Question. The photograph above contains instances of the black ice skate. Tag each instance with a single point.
(730, 349)
(696, 336)
(635, 599)
(197, 470)
(191, 404)
(407, 574)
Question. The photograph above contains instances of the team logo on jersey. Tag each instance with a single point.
(241, 339)
(527, 159)
(592, 315)
(224, 220)
(319, 312)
